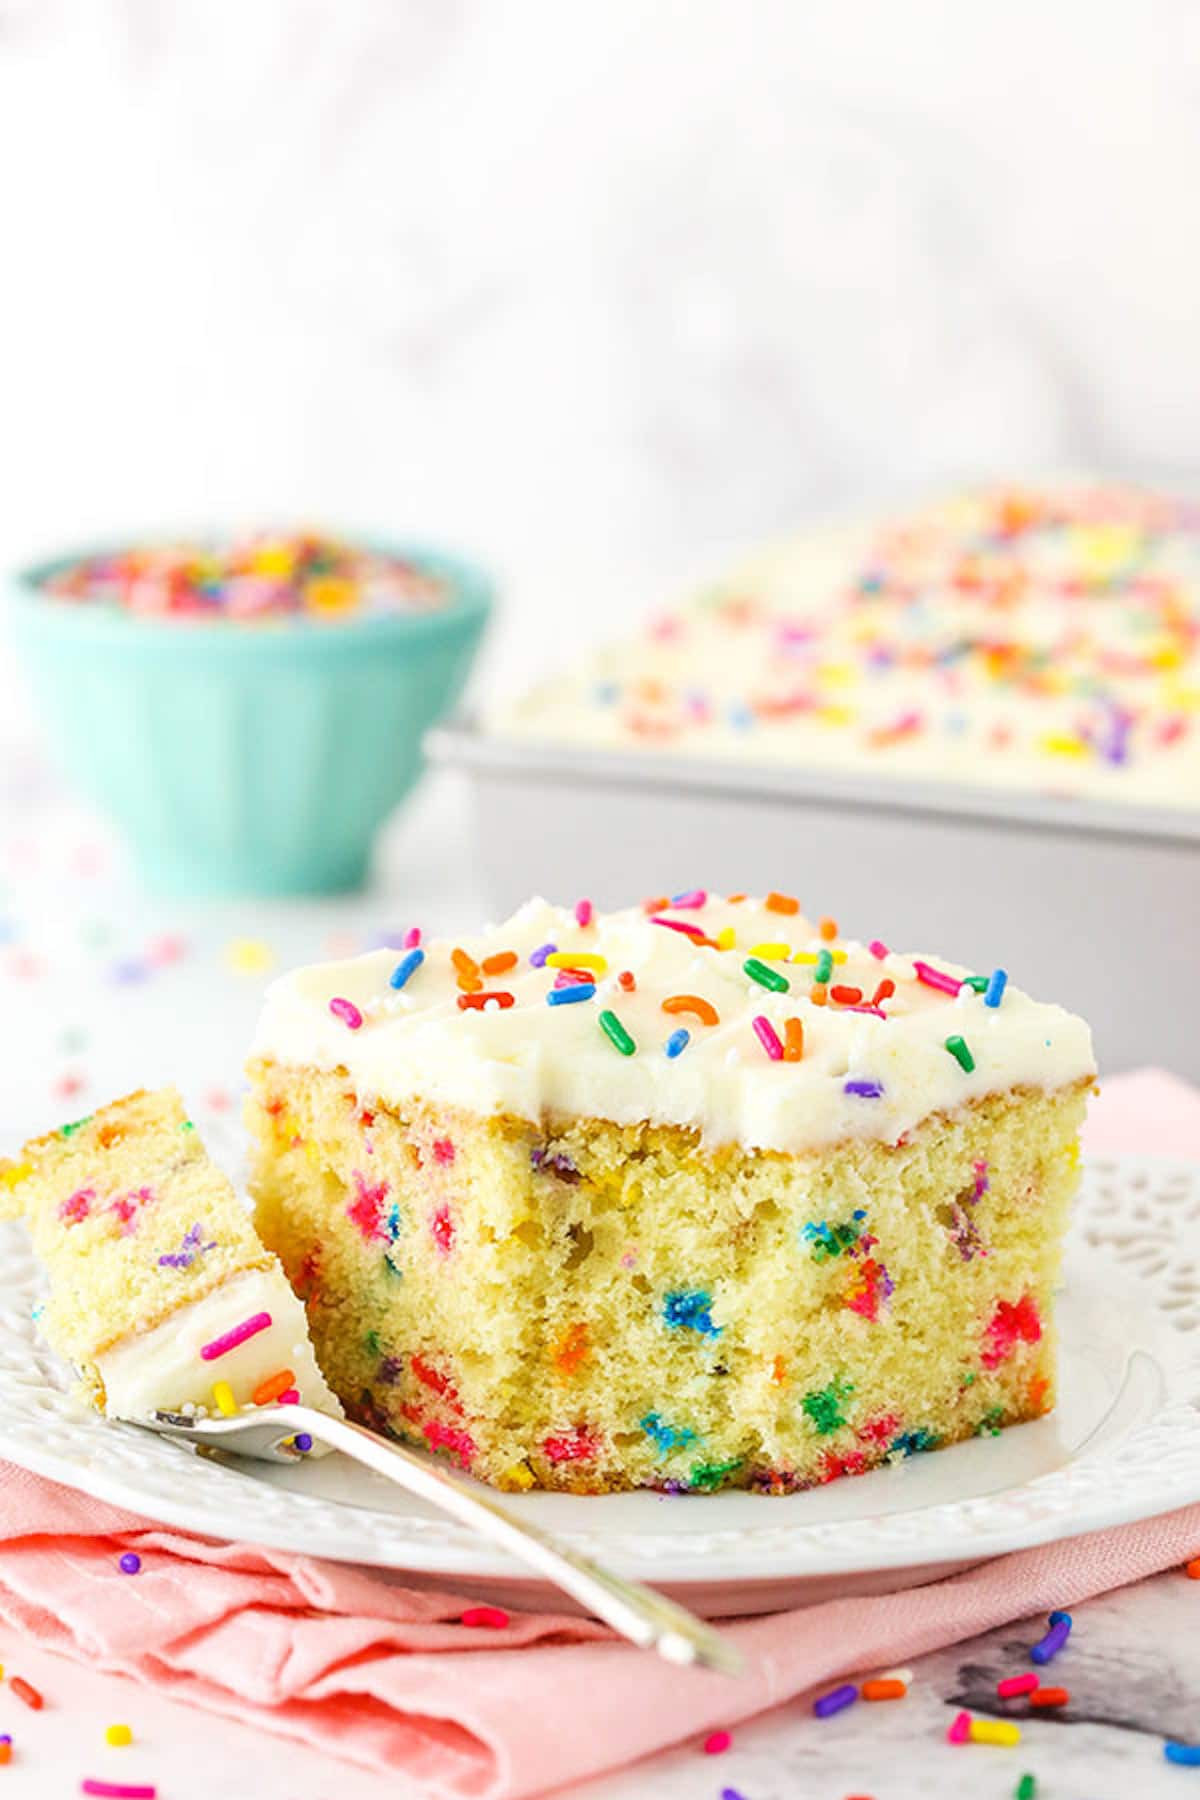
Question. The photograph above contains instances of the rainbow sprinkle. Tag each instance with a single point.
(347, 1012)
(765, 977)
(993, 993)
(406, 967)
(569, 996)
(678, 1042)
(616, 1033)
(957, 1047)
(238, 1334)
(767, 1036)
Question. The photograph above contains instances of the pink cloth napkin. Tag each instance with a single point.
(385, 1676)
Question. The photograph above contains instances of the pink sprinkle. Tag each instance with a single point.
(959, 1729)
(443, 1151)
(118, 1790)
(494, 1618)
(876, 1012)
(692, 931)
(442, 1227)
(934, 978)
(290, 1397)
(693, 899)
(768, 1037)
(412, 938)
(717, 1742)
(347, 1012)
(247, 1329)
(877, 949)
(583, 912)
(1016, 1684)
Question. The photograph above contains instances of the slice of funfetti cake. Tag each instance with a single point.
(162, 1294)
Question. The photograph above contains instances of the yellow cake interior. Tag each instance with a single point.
(594, 1306)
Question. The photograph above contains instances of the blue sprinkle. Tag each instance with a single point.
(408, 965)
(740, 718)
(1053, 1641)
(130, 1563)
(606, 693)
(1187, 1754)
(567, 996)
(691, 1310)
(303, 1441)
(666, 1437)
(993, 994)
(537, 958)
(678, 1041)
(865, 1090)
(1058, 1618)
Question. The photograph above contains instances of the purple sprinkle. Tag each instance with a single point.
(188, 1251)
(129, 971)
(1053, 1641)
(836, 1700)
(865, 1090)
(390, 1370)
(732, 1794)
(130, 1563)
(303, 1441)
(537, 958)
(5, 1738)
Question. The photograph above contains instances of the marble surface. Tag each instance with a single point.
(93, 1011)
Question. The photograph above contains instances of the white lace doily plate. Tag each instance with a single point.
(1124, 1444)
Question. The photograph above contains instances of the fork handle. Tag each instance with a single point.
(647, 1618)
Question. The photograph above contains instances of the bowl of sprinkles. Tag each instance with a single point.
(248, 710)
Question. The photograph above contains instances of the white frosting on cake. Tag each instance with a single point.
(539, 1061)
(1040, 638)
(163, 1369)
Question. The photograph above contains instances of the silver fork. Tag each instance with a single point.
(647, 1618)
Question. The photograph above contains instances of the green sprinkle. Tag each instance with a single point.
(616, 1033)
(824, 1406)
(371, 1343)
(1026, 1788)
(976, 983)
(74, 1126)
(768, 978)
(962, 1056)
(824, 968)
(707, 1476)
(188, 1125)
(989, 1425)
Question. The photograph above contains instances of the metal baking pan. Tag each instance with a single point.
(1093, 904)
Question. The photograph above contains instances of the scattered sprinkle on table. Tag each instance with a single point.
(958, 1729)
(129, 1563)
(118, 1735)
(883, 1689)
(1188, 1755)
(1049, 1696)
(835, 1701)
(1016, 1684)
(493, 1618)
(118, 1790)
(249, 956)
(717, 1742)
(994, 1731)
(25, 1692)
(1026, 1788)
(1193, 1569)
(1049, 1646)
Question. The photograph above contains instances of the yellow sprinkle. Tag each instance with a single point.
(994, 1731)
(223, 1395)
(519, 1476)
(772, 952)
(1059, 744)
(118, 1735)
(726, 938)
(329, 594)
(578, 959)
(835, 715)
(276, 561)
(14, 1174)
(810, 956)
(249, 956)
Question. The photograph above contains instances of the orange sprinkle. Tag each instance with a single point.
(735, 899)
(828, 929)
(884, 991)
(1193, 1569)
(1037, 1391)
(793, 1040)
(779, 1370)
(480, 1001)
(1053, 1696)
(883, 1689)
(470, 984)
(466, 965)
(273, 1386)
(573, 1349)
(692, 1003)
(782, 903)
(496, 965)
(25, 1692)
(659, 903)
(627, 980)
(846, 996)
(818, 994)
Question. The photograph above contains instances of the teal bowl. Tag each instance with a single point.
(247, 759)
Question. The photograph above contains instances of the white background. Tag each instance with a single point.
(590, 290)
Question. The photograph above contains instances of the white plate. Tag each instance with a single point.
(1124, 1444)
